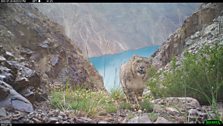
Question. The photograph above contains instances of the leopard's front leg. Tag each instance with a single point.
(133, 99)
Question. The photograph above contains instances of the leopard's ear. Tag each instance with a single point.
(148, 60)
(134, 56)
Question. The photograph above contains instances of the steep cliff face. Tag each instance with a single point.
(34, 52)
(100, 29)
(199, 29)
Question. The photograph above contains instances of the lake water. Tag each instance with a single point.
(108, 66)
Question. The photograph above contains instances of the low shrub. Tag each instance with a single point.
(200, 76)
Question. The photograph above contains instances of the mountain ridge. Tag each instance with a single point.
(100, 29)
(36, 56)
(177, 42)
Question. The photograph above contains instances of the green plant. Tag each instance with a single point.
(110, 108)
(153, 81)
(55, 100)
(204, 73)
(153, 116)
(200, 76)
(117, 94)
(146, 105)
(174, 63)
(124, 105)
(130, 116)
(90, 102)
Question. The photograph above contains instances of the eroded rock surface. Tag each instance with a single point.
(16, 83)
(42, 47)
(11, 99)
(35, 54)
(189, 34)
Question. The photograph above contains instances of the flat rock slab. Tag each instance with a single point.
(13, 99)
(140, 119)
(179, 102)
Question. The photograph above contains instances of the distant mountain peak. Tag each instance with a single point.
(100, 29)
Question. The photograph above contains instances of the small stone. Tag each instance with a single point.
(9, 56)
(26, 52)
(5, 121)
(103, 122)
(36, 120)
(21, 83)
(212, 115)
(21, 33)
(65, 122)
(201, 113)
(62, 114)
(54, 60)
(53, 119)
(102, 114)
(162, 120)
(60, 117)
(140, 111)
(2, 59)
(50, 113)
(2, 112)
(85, 120)
(45, 118)
(45, 44)
(146, 92)
(192, 112)
(56, 112)
(30, 121)
(39, 110)
(140, 119)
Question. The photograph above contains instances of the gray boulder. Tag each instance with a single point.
(9, 98)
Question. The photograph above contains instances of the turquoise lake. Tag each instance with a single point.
(108, 66)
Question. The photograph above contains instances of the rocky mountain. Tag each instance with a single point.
(202, 27)
(102, 28)
(189, 47)
(36, 56)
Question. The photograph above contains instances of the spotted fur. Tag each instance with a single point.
(132, 78)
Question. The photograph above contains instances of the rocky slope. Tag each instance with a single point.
(35, 56)
(204, 27)
(111, 28)
(199, 29)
